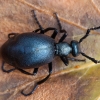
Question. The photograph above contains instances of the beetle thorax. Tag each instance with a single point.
(63, 49)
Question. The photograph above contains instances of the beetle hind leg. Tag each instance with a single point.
(39, 82)
(7, 71)
(27, 73)
(35, 71)
(40, 27)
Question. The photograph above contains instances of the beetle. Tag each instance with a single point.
(34, 49)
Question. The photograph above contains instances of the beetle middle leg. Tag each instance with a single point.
(39, 82)
(7, 71)
(65, 60)
(54, 33)
(42, 31)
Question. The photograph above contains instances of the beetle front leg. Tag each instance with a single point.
(65, 60)
(63, 37)
(54, 33)
(79, 60)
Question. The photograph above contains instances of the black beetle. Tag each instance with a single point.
(32, 50)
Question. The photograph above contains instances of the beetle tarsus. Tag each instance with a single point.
(65, 60)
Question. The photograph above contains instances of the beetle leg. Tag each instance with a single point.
(48, 29)
(50, 67)
(25, 72)
(73, 59)
(65, 60)
(60, 29)
(54, 33)
(63, 37)
(87, 33)
(39, 82)
(35, 17)
(58, 21)
(7, 71)
(36, 30)
(35, 71)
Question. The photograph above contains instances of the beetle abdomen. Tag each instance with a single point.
(29, 50)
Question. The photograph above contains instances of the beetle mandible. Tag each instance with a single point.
(32, 50)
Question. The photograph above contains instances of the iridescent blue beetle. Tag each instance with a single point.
(34, 49)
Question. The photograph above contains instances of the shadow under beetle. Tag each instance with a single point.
(32, 50)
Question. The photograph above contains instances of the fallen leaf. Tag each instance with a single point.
(78, 80)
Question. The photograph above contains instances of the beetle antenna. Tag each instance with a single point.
(87, 33)
(85, 36)
(90, 58)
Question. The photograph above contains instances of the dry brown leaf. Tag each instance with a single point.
(78, 81)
